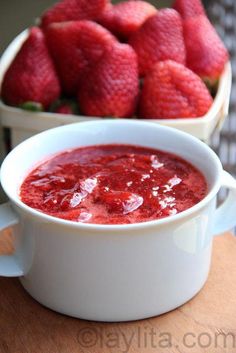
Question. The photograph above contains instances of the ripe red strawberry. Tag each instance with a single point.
(73, 10)
(64, 109)
(173, 91)
(110, 88)
(160, 38)
(31, 77)
(206, 53)
(125, 18)
(189, 8)
(65, 106)
(74, 46)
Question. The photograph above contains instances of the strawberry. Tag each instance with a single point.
(189, 8)
(75, 215)
(121, 202)
(206, 53)
(160, 38)
(64, 106)
(74, 46)
(125, 18)
(64, 109)
(173, 91)
(110, 87)
(73, 10)
(31, 77)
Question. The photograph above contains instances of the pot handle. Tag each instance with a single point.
(225, 216)
(9, 266)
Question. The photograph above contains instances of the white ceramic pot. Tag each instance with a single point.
(113, 272)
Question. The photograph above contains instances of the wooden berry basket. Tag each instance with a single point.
(25, 124)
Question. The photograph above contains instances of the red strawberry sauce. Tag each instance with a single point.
(113, 184)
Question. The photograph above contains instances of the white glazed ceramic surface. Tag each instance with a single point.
(113, 272)
(25, 124)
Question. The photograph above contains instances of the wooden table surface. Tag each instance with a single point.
(205, 324)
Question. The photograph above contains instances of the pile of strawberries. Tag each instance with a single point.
(125, 60)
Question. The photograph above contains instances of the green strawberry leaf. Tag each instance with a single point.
(32, 106)
(212, 86)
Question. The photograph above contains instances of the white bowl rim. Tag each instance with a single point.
(118, 227)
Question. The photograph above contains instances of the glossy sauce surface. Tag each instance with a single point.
(113, 184)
